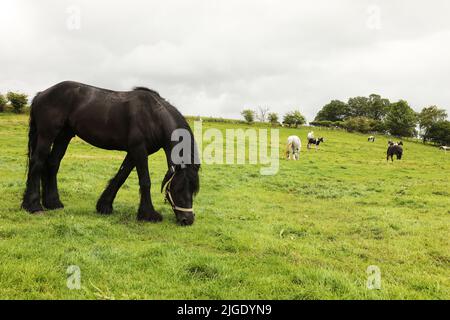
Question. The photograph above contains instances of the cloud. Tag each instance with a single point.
(212, 57)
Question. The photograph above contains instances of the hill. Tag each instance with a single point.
(309, 232)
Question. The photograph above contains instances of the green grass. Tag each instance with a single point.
(309, 232)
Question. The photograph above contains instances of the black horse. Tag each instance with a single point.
(139, 122)
(315, 142)
(394, 149)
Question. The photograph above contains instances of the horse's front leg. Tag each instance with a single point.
(104, 203)
(146, 210)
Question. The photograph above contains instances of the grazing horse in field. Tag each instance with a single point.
(138, 122)
(293, 147)
(315, 142)
(445, 148)
(394, 149)
(371, 139)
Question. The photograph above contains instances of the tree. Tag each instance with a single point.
(249, 115)
(334, 111)
(262, 114)
(17, 100)
(362, 124)
(439, 132)
(3, 102)
(358, 107)
(374, 107)
(428, 117)
(294, 118)
(377, 107)
(401, 120)
(273, 118)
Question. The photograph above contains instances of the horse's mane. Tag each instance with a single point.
(191, 176)
(178, 117)
(146, 89)
(190, 172)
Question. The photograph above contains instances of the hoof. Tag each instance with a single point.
(53, 204)
(104, 208)
(151, 217)
(34, 209)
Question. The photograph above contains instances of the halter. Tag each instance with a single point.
(169, 195)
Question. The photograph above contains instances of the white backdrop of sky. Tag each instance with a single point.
(217, 57)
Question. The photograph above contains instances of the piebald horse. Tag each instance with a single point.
(394, 149)
(315, 142)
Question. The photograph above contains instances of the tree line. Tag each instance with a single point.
(378, 115)
(373, 114)
(14, 101)
(291, 119)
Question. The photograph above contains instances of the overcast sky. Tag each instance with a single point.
(215, 58)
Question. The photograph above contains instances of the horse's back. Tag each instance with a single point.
(295, 141)
(99, 116)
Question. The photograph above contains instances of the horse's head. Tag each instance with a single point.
(181, 183)
(320, 139)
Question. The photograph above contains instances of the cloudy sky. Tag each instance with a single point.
(217, 57)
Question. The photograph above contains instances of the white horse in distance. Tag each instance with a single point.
(293, 147)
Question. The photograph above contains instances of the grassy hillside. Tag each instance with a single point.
(309, 232)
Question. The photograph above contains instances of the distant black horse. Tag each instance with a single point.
(394, 149)
(139, 122)
(315, 142)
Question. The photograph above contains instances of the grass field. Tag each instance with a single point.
(309, 232)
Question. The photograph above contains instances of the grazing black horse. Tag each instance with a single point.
(394, 149)
(139, 122)
(315, 142)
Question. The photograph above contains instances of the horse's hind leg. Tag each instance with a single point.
(50, 195)
(104, 204)
(31, 200)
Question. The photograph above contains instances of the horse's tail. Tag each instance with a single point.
(32, 134)
(288, 148)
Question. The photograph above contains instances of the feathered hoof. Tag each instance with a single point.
(104, 208)
(53, 204)
(33, 208)
(149, 216)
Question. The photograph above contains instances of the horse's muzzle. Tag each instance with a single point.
(185, 218)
